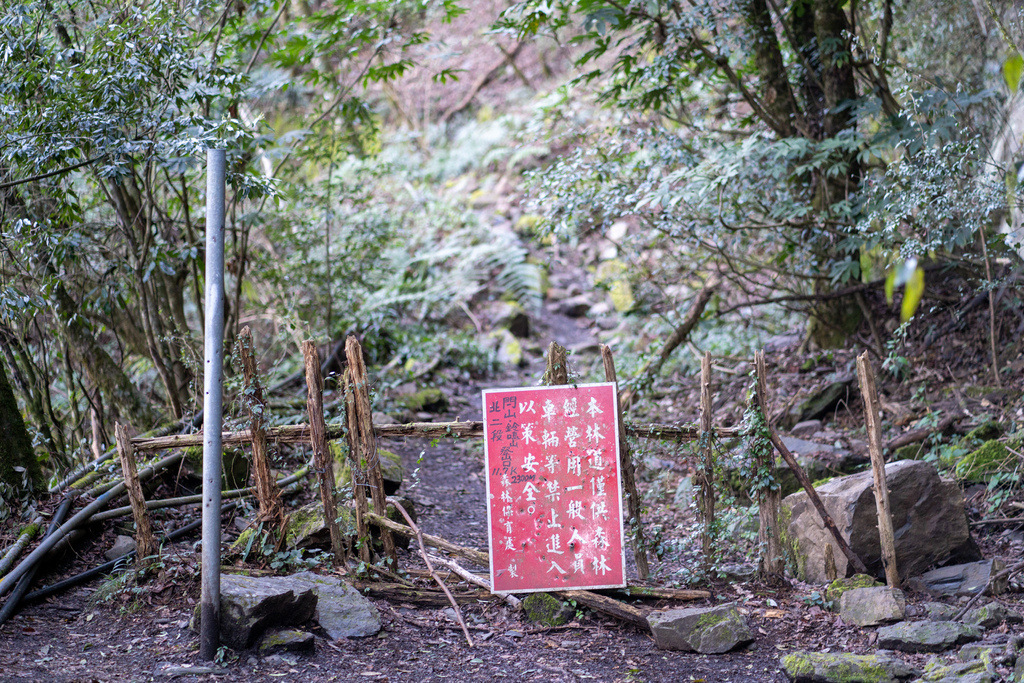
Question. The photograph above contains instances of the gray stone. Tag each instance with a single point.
(739, 572)
(808, 448)
(927, 512)
(286, 640)
(872, 606)
(991, 615)
(683, 498)
(546, 609)
(937, 611)
(973, 651)
(806, 428)
(341, 610)
(821, 403)
(926, 636)
(1018, 670)
(574, 307)
(122, 546)
(175, 671)
(823, 667)
(938, 671)
(249, 605)
(960, 579)
(700, 629)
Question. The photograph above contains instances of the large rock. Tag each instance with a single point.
(823, 667)
(961, 579)
(249, 605)
(873, 606)
(926, 636)
(341, 610)
(927, 512)
(700, 629)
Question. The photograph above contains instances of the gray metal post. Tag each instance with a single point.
(209, 636)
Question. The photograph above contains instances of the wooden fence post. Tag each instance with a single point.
(323, 462)
(707, 472)
(869, 393)
(267, 493)
(146, 545)
(769, 501)
(628, 476)
(362, 441)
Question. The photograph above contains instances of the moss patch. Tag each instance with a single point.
(836, 589)
(547, 610)
(990, 458)
(391, 468)
(428, 400)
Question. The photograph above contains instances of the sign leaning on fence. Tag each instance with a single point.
(554, 503)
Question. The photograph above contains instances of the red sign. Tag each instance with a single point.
(554, 506)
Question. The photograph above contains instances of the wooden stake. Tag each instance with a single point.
(363, 439)
(358, 475)
(267, 493)
(318, 440)
(769, 501)
(557, 371)
(628, 476)
(707, 474)
(146, 546)
(869, 393)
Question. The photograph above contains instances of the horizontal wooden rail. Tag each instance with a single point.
(300, 433)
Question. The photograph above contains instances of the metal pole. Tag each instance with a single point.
(209, 636)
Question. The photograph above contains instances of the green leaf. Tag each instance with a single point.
(912, 295)
(1013, 67)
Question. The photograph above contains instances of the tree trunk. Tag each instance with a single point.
(15, 445)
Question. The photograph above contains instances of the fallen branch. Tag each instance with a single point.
(492, 73)
(633, 590)
(83, 516)
(920, 434)
(470, 577)
(999, 520)
(474, 556)
(397, 592)
(430, 567)
(652, 368)
(26, 580)
(70, 582)
(19, 546)
(606, 605)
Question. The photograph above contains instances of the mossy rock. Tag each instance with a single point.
(912, 451)
(307, 528)
(547, 610)
(841, 667)
(990, 458)
(986, 431)
(234, 465)
(425, 400)
(391, 468)
(836, 589)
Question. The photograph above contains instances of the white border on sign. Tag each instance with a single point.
(618, 469)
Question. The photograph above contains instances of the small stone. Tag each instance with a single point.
(964, 672)
(991, 615)
(738, 572)
(173, 671)
(835, 590)
(937, 611)
(872, 606)
(122, 546)
(1018, 670)
(806, 428)
(288, 640)
(822, 667)
(706, 630)
(574, 307)
(926, 636)
(547, 610)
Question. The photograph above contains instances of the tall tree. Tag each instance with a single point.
(19, 468)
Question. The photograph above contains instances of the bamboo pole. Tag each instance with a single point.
(707, 474)
(628, 475)
(296, 434)
(364, 438)
(267, 493)
(145, 542)
(869, 393)
(318, 440)
(769, 500)
(12, 553)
